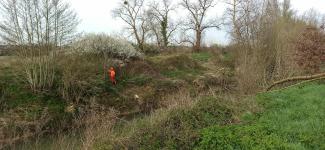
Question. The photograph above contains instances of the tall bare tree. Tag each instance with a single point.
(232, 15)
(197, 22)
(49, 22)
(160, 21)
(37, 27)
(132, 13)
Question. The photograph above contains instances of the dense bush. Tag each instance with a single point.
(104, 44)
(150, 49)
(310, 49)
(81, 77)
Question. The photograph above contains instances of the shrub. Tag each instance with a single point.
(310, 49)
(104, 44)
(38, 66)
(150, 49)
(81, 77)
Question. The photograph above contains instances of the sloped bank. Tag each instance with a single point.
(293, 119)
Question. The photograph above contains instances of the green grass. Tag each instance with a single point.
(138, 80)
(181, 74)
(202, 56)
(180, 66)
(15, 95)
(293, 118)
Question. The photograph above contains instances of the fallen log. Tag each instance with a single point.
(299, 78)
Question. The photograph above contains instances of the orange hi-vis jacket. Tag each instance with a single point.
(111, 73)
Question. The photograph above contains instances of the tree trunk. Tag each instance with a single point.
(164, 25)
(197, 46)
(139, 42)
(299, 78)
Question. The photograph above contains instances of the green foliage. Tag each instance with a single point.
(164, 30)
(178, 66)
(150, 49)
(293, 119)
(257, 137)
(202, 56)
(139, 80)
(16, 96)
(180, 62)
(228, 59)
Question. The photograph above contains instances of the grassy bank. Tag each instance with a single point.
(292, 119)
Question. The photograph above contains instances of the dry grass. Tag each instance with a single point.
(129, 134)
(98, 124)
(122, 136)
(7, 61)
(182, 98)
(141, 67)
(15, 129)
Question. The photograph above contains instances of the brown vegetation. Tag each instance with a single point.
(311, 49)
(161, 100)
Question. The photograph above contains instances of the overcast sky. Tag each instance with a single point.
(96, 16)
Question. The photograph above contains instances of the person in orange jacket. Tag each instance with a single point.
(111, 73)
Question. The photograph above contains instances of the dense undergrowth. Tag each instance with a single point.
(290, 119)
(80, 80)
(184, 101)
(170, 129)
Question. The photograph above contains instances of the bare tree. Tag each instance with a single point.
(37, 28)
(41, 22)
(160, 21)
(232, 15)
(197, 22)
(132, 13)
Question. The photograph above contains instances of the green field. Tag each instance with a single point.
(293, 118)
